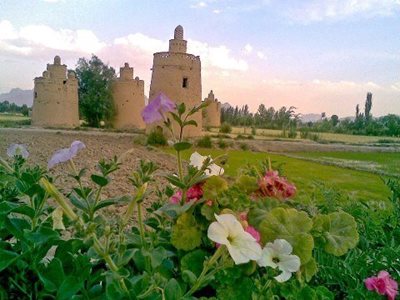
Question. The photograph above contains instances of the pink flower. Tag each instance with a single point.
(272, 185)
(176, 198)
(382, 284)
(209, 203)
(193, 193)
(254, 233)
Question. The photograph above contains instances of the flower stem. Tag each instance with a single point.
(180, 169)
(199, 282)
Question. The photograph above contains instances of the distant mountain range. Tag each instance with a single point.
(18, 96)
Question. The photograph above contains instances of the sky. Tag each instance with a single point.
(316, 55)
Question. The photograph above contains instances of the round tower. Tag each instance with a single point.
(55, 102)
(177, 74)
(128, 96)
(212, 113)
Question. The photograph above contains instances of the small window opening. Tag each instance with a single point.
(185, 82)
(35, 94)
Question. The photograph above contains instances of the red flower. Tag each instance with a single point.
(272, 185)
(193, 193)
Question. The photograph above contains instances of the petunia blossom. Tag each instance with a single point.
(278, 255)
(228, 231)
(66, 154)
(197, 161)
(17, 150)
(273, 185)
(193, 193)
(156, 108)
(383, 284)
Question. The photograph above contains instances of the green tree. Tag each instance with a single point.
(334, 120)
(368, 106)
(95, 95)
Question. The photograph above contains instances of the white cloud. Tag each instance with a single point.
(217, 11)
(7, 31)
(396, 86)
(261, 55)
(200, 4)
(320, 10)
(36, 39)
(143, 42)
(248, 48)
(217, 56)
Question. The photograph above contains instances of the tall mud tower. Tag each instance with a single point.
(177, 74)
(212, 113)
(128, 96)
(55, 102)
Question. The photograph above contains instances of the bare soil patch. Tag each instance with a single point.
(42, 144)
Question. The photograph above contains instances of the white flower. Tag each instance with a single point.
(229, 232)
(278, 255)
(17, 149)
(197, 160)
(66, 154)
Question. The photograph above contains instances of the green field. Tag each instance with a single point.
(13, 120)
(323, 136)
(375, 162)
(356, 185)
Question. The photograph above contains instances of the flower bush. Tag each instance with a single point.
(202, 237)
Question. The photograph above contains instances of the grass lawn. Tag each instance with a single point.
(12, 120)
(358, 185)
(388, 163)
(324, 136)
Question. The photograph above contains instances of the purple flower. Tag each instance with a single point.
(65, 154)
(154, 111)
(17, 149)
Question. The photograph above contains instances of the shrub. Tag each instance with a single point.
(240, 137)
(253, 130)
(225, 128)
(156, 137)
(222, 144)
(304, 132)
(244, 146)
(205, 142)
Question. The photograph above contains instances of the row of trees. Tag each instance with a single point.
(263, 118)
(287, 119)
(7, 107)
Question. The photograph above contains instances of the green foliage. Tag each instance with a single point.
(156, 137)
(291, 225)
(204, 142)
(337, 232)
(225, 128)
(214, 186)
(186, 234)
(95, 90)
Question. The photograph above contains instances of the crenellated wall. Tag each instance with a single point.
(212, 113)
(55, 102)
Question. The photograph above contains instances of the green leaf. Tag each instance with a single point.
(190, 123)
(41, 235)
(247, 183)
(78, 201)
(337, 232)
(52, 276)
(175, 181)
(7, 258)
(208, 211)
(291, 225)
(70, 286)
(181, 108)
(214, 186)
(99, 180)
(309, 269)
(182, 146)
(194, 261)
(176, 118)
(173, 290)
(186, 234)
(189, 277)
